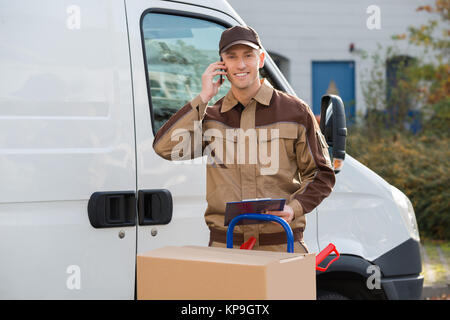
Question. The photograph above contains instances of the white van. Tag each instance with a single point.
(84, 87)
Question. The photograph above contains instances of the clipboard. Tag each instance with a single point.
(233, 209)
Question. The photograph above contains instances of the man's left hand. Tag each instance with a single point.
(287, 214)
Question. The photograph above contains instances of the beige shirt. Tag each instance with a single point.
(272, 148)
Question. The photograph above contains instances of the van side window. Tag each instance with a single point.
(177, 51)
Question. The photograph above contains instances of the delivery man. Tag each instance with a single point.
(260, 143)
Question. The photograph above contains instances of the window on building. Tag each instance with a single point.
(400, 107)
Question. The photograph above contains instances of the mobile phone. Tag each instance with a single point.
(221, 76)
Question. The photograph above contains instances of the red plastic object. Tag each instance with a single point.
(249, 244)
(319, 257)
(325, 253)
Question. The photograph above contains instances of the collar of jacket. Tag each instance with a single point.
(263, 96)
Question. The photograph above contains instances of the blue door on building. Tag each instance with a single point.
(334, 77)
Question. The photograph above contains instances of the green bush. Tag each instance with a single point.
(416, 164)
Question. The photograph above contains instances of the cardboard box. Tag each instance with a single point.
(208, 273)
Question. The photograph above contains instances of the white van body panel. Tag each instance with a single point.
(360, 216)
(66, 131)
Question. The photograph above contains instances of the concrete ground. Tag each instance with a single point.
(435, 269)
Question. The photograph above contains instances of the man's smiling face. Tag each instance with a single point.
(243, 63)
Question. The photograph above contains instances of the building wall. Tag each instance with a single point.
(322, 30)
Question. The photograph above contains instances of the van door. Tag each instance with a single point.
(170, 49)
(171, 45)
(66, 132)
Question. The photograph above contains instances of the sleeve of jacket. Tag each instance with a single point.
(180, 138)
(314, 165)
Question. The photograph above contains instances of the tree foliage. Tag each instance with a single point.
(415, 162)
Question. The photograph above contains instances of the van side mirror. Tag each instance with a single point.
(334, 128)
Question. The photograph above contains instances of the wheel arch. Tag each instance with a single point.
(348, 276)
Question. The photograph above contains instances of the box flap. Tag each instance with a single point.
(272, 256)
(220, 255)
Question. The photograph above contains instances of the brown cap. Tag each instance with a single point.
(239, 35)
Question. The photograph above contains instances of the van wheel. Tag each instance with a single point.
(330, 295)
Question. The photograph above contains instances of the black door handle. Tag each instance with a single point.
(112, 209)
(155, 206)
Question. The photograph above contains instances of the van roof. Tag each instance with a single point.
(218, 5)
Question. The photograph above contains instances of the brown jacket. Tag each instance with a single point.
(279, 153)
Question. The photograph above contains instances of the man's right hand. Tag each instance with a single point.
(210, 88)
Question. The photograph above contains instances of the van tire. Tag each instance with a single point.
(330, 295)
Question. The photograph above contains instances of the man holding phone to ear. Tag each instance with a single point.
(253, 112)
